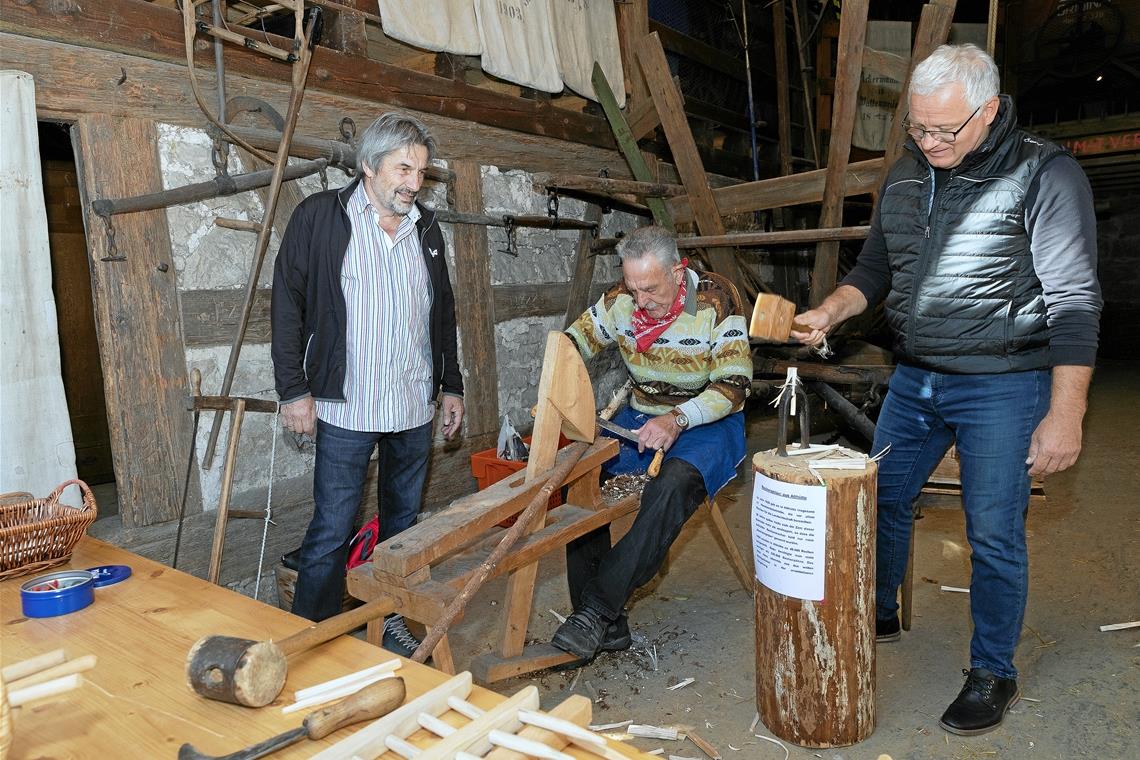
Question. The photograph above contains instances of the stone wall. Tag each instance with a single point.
(1118, 240)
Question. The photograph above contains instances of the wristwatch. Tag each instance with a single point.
(679, 418)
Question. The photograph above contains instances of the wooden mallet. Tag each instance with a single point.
(772, 319)
(252, 673)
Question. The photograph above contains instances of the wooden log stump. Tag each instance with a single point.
(815, 660)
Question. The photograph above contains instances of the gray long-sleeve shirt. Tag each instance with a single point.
(1061, 225)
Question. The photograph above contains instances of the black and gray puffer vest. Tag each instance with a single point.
(964, 297)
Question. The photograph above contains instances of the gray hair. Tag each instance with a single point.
(967, 65)
(392, 131)
(650, 241)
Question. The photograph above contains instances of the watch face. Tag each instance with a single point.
(682, 420)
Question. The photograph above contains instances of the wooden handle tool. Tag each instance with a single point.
(655, 465)
(373, 701)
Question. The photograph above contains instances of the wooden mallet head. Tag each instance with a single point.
(772, 319)
(240, 671)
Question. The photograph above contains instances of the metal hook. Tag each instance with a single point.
(112, 248)
(347, 130)
(552, 204)
(219, 157)
(512, 248)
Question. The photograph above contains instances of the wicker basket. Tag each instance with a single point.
(36, 534)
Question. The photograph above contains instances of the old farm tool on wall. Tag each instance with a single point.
(299, 58)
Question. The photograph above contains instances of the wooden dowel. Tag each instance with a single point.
(66, 668)
(44, 690)
(25, 668)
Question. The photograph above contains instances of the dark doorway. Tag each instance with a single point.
(71, 284)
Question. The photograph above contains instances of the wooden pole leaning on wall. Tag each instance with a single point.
(802, 698)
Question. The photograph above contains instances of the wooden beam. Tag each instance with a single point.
(700, 52)
(582, 278)
(73, 80)
(544, 181)
(473, 307)
(651, 56)
(152, 31)
(806, 187)
(538, 299)
(784, 119)
(780, 237)
(643, 118)
(849, 74)
(933, 29)
(136, 309)
(633, 24)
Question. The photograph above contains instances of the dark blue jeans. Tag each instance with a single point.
(338, 486)
(991, 418)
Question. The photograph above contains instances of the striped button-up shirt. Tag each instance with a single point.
(388, 375)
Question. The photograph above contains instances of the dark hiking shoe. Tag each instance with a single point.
(582, 633)
(888, 630)
(982, 703)
(616, 639)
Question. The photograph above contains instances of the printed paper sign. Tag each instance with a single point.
(789, 529)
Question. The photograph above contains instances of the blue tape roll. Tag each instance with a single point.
(57, 593)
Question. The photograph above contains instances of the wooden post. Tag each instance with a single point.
(852, 33)
(632, 24)
(583, 275)
(815, 661)
(473, 306)
(780, 38)
(137, 318)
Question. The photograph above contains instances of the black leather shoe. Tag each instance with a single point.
(292, 560)
(617, 637)
(582, 633)
(888, 630)
(982, 703)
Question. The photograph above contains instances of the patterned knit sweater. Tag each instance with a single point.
(701, 365)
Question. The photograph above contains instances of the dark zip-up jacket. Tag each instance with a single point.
(965, 294)
(308, 309)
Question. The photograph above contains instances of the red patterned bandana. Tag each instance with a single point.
(647, 329)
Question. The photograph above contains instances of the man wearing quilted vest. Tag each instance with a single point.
(983, 251)
(682, 336)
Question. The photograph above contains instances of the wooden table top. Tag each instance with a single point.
(136, 702)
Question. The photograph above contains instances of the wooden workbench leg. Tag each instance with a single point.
(731, 552)
(441, 657)
(520, 595)
(374, 632)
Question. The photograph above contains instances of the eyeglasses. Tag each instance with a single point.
(917, 133)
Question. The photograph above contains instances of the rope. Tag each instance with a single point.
(268, 507)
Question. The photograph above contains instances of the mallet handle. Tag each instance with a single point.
(326, 630)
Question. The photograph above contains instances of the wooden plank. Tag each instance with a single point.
(784, 119)
(491, 666)
(628, 144)
(806, 187)
(468, 517)
(137, 319)
(473, 306)
(780, 237)
(605, 185)
(643, 118)
(668, 101)
(582, 278)
(347, 32)
(849, 73)
(537, 299)
(209, 317)
(144, 29)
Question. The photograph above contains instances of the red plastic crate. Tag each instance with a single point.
(488, 468)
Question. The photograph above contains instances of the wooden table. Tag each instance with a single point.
(136, 702)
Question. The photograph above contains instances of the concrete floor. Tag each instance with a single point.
(1081, 686)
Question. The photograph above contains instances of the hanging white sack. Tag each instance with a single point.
(518, 45)
(585, 32)
(879, 91)
(37, 452)
(446, 26)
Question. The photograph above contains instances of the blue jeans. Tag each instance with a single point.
(991, 417)
(338, 486)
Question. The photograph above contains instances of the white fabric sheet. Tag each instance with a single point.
(585, 32)
(518, 43)
(37, 452)
(440, 25)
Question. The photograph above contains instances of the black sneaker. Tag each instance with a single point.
(397, 638)
(582, 633)
(617, 638)
(982, 703)
(888, 630)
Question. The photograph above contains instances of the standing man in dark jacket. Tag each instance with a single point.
(983, 249)
(364, 348)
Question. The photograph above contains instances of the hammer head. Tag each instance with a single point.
(244, 672)
(772, 318)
